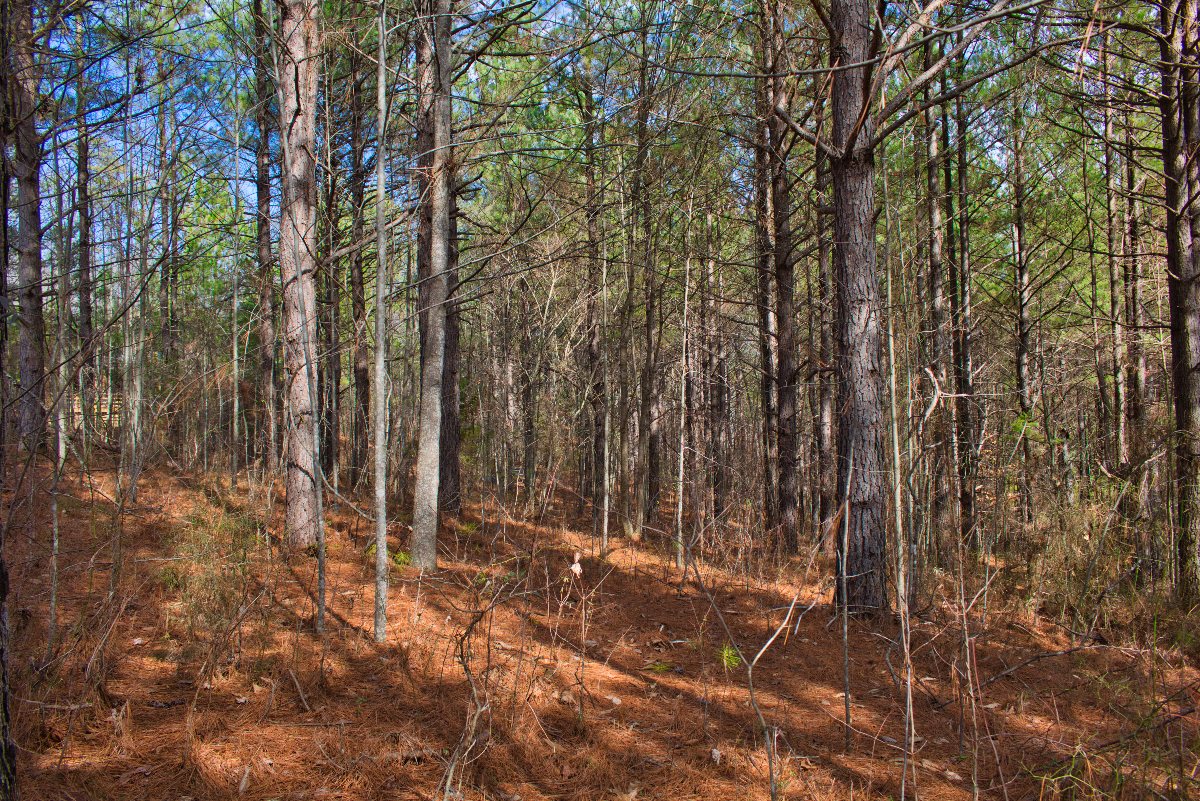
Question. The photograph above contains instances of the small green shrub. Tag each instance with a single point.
(729, 657)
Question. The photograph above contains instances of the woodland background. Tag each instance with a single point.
(541, 399)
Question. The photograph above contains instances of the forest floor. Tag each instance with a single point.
(200, 676)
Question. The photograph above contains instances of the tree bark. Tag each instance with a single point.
(269, 402)
(764, 242)
(960, 317)
(83, 282)
(433, 86)
(297, 81)
(784, 268)
(826, 383)
(361, 413)
(379, 399)
(1180, 110)
(1024, 329)
(939, 331)
(861, 466)
(27, 162)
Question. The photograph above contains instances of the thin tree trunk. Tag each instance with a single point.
(784, 268)
(959, 276)
(269, 402)
(939, 332)
(1116, 331)
(83, 282)
(361, 413)
(381, 286)
(1135, 358)
(449, 467)
(767, 324)
(1024, 329)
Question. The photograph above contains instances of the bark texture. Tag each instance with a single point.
(297, 80)
(861, 467)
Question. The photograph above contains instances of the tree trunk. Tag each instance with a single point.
(269, 403)
(361, 413)
(449, 467)
(83, 282)
(1116, 330)
(1180, 108)
(328, 352)
(1024, 331)
(764, 243)
(297, 81)
(27, 162)
(861, 466)
(381, 286)
(826, 383)
(784, 268)
(939, 333)
(1135, 358)
(960, 318)
(433, 86)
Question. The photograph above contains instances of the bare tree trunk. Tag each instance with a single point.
(1112, 240)
(361, 413)
(960, 315)
(939, 332)
(381, 286)
(1135, 358)
(8, 750)
(1180, 108)
(83, 202)
(826, 384)
(433, 86)
(718, 387)
(266, 274)
(328, 353)
(449, 467)
(784, 264)
(27, 162)
(861, 466)
(639, 198)
(767, 324)
(297, 81)
(1024, 330)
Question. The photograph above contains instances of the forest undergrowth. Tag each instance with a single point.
(529, 668)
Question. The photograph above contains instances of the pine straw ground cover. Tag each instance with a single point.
(528, 668)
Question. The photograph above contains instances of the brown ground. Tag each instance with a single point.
(201, 677)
